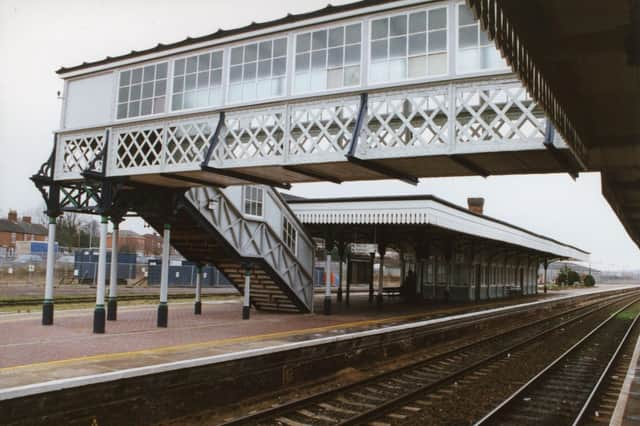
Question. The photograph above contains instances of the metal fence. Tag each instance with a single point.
(33, 272)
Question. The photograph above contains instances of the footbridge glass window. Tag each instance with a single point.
(258, 70)
(253, 200)
(409, 46)
(197, 81)
(475, 51)
(289, 234)
(328, 59)
(142, 91)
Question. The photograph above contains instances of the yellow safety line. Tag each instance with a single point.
(217, 342)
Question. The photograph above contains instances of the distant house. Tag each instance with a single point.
(13, 230)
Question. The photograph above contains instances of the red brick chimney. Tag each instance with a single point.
(476, 204)
(26, 219)
(13, 216)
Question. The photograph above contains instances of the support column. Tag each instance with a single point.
(197, 308)
(246, 305)
(47, 306)
(163, 307)
(341, 255)
(99, 312)
(546, 265)
(348, 278)
(327, 281)
(382, 249)
(112, 305)
(373, 259)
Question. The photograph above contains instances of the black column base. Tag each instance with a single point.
(47, 313)
(327, 305)
(112, 309)
(197, 308)
(163, 314)
(339, 296)
(99, 320)
(246, 312)
(370, 295)
(379, 300)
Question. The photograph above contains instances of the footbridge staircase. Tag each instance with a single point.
(209, 228)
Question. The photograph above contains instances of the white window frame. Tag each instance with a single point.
(168, 87)
(449, 73)
(457, 48)
(171, 76)
(259, 202)
(291, 236)
(228, 65)
(310, 30)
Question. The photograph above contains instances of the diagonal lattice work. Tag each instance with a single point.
(187, 141)
(138, 147)
(251, 136)
(255, 238)
(497, 113)
(322, 128)
(76, 152)
(406, 123)
(440, 119)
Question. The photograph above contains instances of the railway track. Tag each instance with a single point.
(396, 393)
(563, 393)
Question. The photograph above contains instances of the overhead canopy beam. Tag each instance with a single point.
(190, 179)
(312, 174)
(469, 165)
(369, 164)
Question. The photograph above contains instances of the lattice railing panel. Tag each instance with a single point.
(139, 147)
(187, 141)
(322, 127)
(252, 137)
(497, 113)
(77, 151)
(407, 122)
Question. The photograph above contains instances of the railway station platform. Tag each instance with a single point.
(38, 359)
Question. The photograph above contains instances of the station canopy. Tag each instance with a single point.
(407, 222)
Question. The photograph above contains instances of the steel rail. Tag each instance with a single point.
(287, 407)
(596, 388)
(491, 416)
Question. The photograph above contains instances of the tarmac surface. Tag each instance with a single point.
(31, 353)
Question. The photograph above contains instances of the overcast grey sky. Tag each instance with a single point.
(38, 36)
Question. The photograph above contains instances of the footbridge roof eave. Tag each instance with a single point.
(427, 210)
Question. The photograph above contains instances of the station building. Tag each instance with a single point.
(447, 252)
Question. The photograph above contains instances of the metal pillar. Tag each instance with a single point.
(373, 259)
(341, 255)
(246, 305)
(112, 305)
(47, 306)
(327, 283)
(99, 312)
(163, 308)
(382, 251)
(197, 308)
(348, 279)
(546, 265)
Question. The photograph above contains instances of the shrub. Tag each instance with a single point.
(572, 277)
(561, 279)
(589, 281)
